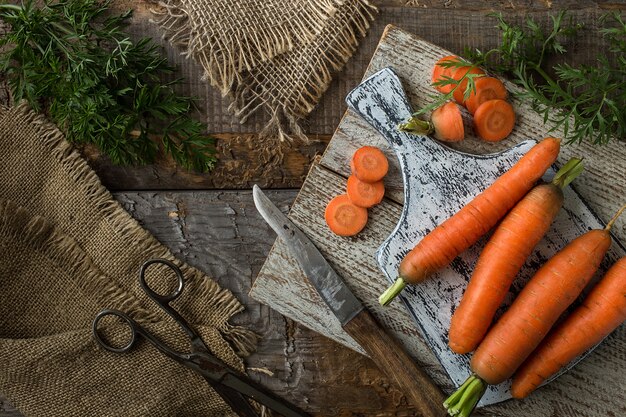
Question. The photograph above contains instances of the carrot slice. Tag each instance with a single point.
(369, 164)
(448, 123)
(365, 194)
(440, 73)
(487, 88)
(494, 120)
(459, 92)
(343, 217)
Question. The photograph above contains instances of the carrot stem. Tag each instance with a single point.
(391, 292)
(568, 172)
(463, 401)
(417, 126)
(612, 221)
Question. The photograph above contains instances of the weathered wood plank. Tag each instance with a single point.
(601, 372)
(243, 160)
(601, 185)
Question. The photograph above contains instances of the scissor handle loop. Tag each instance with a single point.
(134, 329)
(164, 299)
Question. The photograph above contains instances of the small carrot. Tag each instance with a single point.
(369, 164)
(487, 88)
(503, 256)
(343, 217)
(602, 311)
(535, 310)
(463, 229)
(494, 120)
(365, 194)
(460, 76)
(446, 123)
(441, 72)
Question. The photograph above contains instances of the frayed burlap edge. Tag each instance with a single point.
(227, 305)
(35, 232)
(249, 93)
(224, 57)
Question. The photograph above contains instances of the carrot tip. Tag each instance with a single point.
(463, 401)
(392, 292)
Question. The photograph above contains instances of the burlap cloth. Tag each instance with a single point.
(271, 55)
(67, 250)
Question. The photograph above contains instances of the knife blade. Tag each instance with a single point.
(384, 350)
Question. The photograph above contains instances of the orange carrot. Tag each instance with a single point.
(458, 74)
(487, 88)
(343, 217)
(602, 311)
(440, 73)
(446, 123)
(535, 310)
(437, 249)
(504, 255)
(494, 120)
(369, 164)
(365, 194)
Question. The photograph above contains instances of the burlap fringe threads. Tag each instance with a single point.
(227, 305)
(284, 69)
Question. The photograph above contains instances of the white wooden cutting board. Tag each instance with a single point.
(596, 384)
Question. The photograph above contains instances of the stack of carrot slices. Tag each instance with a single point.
(494, 117)
(346, 214)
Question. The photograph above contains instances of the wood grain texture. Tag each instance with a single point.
(391, 358)
(595, 386)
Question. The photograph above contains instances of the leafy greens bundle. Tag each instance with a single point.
(71, 60)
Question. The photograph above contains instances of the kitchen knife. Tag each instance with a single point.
(384, 350)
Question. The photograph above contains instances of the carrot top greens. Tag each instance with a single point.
(585, 101)
(71, 60)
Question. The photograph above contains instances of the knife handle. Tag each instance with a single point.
(391, 358)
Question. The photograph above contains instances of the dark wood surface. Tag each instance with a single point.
(392, 359)
(209, 220)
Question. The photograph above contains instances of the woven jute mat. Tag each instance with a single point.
(68, 250)
(272, 55)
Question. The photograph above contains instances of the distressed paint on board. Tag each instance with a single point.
(594, 388)
(438, 182)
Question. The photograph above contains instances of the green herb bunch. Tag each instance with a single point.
(72, 61)
(584, 101)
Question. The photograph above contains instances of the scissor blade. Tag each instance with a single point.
(243, 385)
(330, 286)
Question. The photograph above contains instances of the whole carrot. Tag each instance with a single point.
(503, 256)
(537, 307)
(463, 229)
(602, 311)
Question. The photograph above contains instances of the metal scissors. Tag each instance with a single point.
(230, 384)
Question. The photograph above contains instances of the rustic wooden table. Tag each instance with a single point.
(210, 220)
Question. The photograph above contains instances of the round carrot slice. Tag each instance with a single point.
(369, 164)
(343, 217)
(494, 120)
(459, 73)
(487, 88)
(440, 73)
(365, 194)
